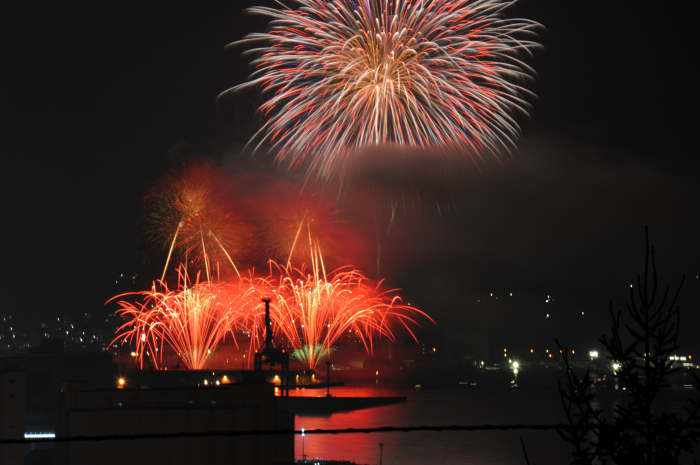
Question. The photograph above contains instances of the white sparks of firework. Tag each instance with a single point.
(346, 74)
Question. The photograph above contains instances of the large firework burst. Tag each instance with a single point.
(437, 74)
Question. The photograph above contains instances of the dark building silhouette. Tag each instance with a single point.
(69, 394)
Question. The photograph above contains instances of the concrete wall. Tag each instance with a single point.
(226, 408)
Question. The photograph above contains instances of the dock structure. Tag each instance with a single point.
(271, 353)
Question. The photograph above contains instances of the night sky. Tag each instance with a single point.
(99, 104)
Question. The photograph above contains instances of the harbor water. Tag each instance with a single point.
(492, 400)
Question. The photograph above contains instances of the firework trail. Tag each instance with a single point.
(298, 222)
(435, 74)
(187, 213)
(191, 320)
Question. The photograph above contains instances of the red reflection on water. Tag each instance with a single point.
(438, 406)
(352, 446)
(361, 448)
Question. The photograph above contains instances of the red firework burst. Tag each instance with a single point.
(192, 320)
(312, 310)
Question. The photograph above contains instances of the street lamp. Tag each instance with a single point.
(303, 455)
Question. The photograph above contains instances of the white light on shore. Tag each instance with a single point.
(39, 435)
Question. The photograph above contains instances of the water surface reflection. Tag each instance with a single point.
(439, 406)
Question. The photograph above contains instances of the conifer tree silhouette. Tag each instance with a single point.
(641, 343)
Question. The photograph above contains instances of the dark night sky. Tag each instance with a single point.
(99, 104)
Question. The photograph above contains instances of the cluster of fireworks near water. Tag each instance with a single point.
(338, 77)
(310, 308)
